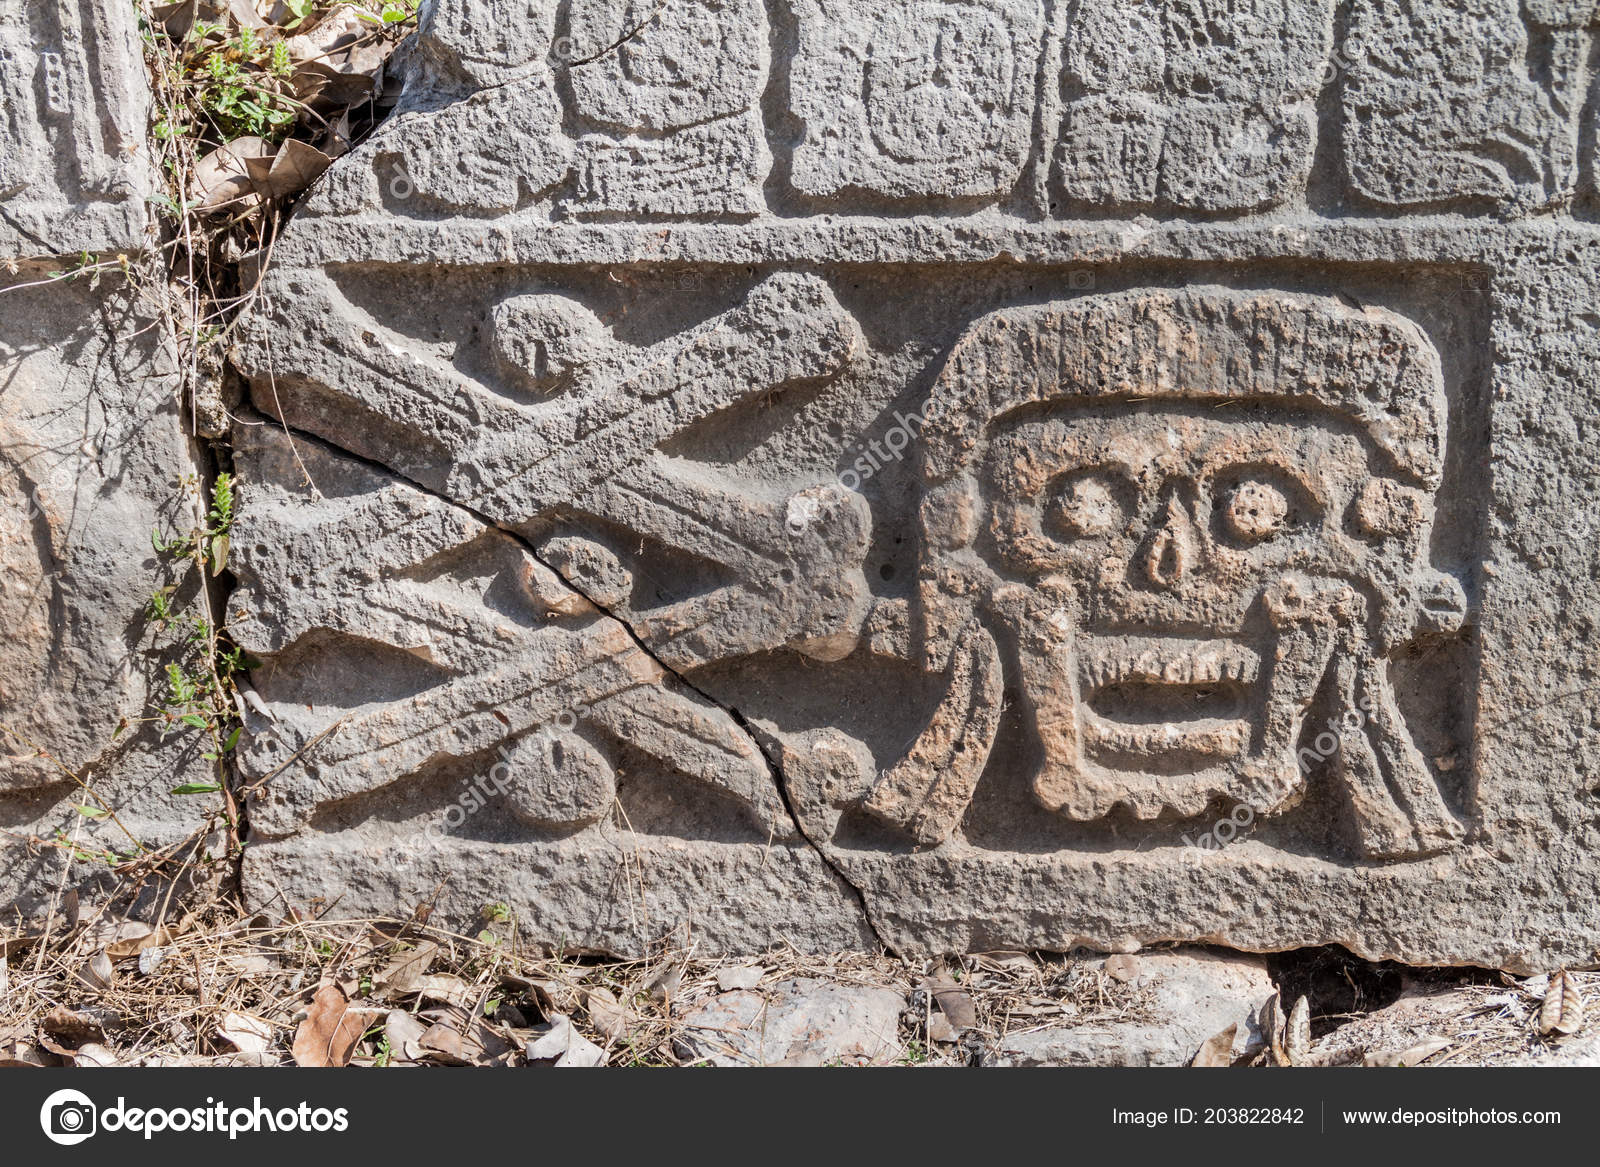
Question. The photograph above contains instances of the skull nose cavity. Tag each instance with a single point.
(1168, 558)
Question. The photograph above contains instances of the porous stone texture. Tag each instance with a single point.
(926, 99)
(844, 524)
(803, 1022)
(1205, 106)
(74, 168)
(1188, 997)
(1444, 99)
(90, 462)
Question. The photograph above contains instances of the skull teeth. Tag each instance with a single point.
(1212, 737)
(1114, 660)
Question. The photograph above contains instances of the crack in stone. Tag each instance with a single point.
(21, 230)
(622, 40)
(774, 768)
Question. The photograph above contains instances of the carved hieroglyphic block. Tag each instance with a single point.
(922, 99)
(1439, 104)
(73, 169)
(1179, 103)
(671, 93)
(478, 129)
(91, 450)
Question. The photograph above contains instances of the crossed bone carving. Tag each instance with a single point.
(561, 473)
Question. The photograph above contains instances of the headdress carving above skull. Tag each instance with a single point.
(1188, 514)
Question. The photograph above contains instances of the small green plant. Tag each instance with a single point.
(201, 683)
(494, 915)
(238, 84)
(299, 12)
(92, 267)
(392, 12)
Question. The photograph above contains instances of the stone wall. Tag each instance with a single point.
(956, 475)
(92, 452)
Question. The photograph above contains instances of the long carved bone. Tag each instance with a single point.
(927, 791)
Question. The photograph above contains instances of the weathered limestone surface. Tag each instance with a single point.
(739, 467)
(793, 1023)
(73, 107)
(90, 457)
(1207, 106)
(1188, 996)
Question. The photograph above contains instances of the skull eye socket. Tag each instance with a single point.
(1255, 510)
(1086, 506)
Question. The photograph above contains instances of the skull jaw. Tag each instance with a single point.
(1083, 790)
(1093, 765)
(1153, 765)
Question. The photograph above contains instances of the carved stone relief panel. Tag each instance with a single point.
(1444, 101)
(73, 168)
(952, 475)
(670, 96)
(1191, 514)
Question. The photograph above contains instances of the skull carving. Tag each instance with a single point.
(1192, 513)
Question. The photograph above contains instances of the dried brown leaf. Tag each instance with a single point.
(448, 989)
(562, 1045)
(293, 168)
(221, 180)
(325, 86)
(1272, 1024)
(953, 1001)
(245, 15)
(400, 976)
(1217, 1050)
(9, 948)
(95, 1056)
(97, 972)
(610, 1017)
(1562, 1011)
(70, 1028)
(133, 939)
(1297, 1033)
(23, 1054)
(247, 1034)
(478, 1046)
(404, 1033)
(328, 1035)
(443, 1044)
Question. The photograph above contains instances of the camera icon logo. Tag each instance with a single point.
(68, 1117)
